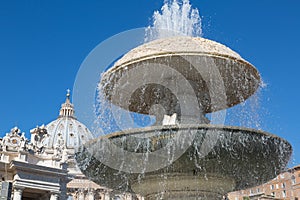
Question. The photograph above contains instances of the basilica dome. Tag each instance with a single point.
(66, 129)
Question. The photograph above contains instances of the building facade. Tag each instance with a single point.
(43, 167)
(285, 186)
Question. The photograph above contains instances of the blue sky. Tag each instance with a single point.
(43, 43)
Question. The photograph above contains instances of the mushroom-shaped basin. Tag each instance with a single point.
(161, 71)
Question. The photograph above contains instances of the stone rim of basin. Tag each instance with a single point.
(267, 157)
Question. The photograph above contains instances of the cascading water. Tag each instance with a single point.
(175, 18)
(179, 77)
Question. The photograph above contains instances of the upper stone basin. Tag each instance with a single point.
(161, 71)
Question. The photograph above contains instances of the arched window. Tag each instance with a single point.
(293, 179)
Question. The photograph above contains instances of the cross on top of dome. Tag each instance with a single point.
(68, 93)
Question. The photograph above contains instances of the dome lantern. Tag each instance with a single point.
(67, 108)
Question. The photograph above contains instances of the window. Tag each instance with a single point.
(283, 193)
(273, 194)
(272, 187)
(277, 186)
(257, 190)
(283, 185)
(293, 180)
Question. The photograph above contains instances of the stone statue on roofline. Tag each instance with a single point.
(14, 141)
(23, 143)
(39, 135)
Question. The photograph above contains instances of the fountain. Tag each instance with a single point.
(179, 79)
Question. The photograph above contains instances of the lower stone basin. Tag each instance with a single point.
(184, 161)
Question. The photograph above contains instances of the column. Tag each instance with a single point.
(106, 196)
(81, 195)
(102, 195)
(54, 196)
(91, 195)
(18, 193)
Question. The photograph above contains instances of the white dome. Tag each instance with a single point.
(67, 129)
(73, 132)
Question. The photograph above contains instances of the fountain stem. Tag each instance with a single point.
(184, 186)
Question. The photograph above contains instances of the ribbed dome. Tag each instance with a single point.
(67, 128)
